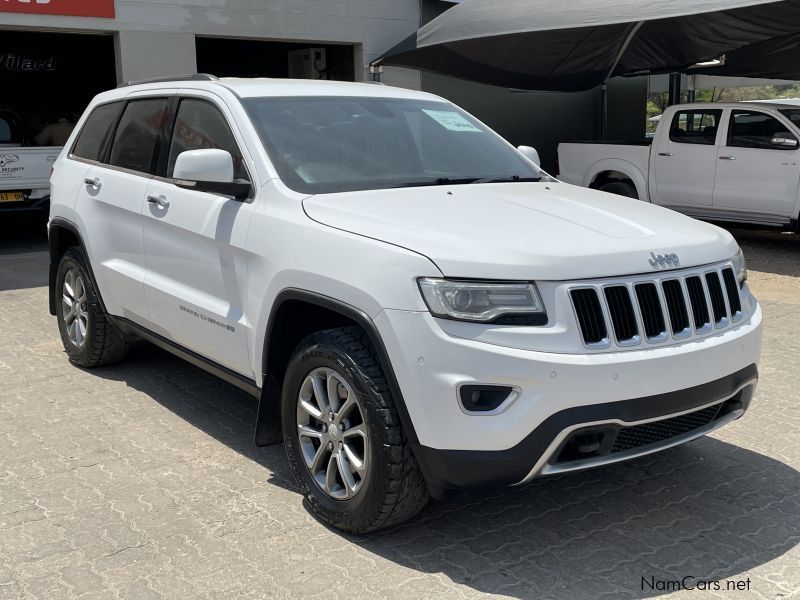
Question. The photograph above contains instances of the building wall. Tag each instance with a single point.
(154, 38)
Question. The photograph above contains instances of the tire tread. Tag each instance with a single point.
(107, 345)
(407, 491)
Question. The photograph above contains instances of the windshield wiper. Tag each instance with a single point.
(468, 180)
(509, 179)
(441, 181)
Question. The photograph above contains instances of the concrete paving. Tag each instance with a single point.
(141, 481)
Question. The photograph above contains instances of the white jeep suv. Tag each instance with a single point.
(416, 305)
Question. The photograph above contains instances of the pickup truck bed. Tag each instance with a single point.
(582, 162)
(25, 177)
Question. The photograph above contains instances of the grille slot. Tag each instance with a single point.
(717, 299)
(590, 316)
(650, 308)
(623, 319)
(659, 431)
(676, 305)
(697, 298)
(732, 288)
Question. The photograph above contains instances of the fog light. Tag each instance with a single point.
(483, 398)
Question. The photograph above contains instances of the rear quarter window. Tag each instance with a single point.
(96, 132)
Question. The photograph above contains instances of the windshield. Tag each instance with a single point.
(336, 144)
(793, 114)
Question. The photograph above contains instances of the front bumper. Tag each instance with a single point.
(727, 399)
(558, 394)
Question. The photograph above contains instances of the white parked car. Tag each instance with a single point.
(737, 162)
(417, 306)
(24, 170)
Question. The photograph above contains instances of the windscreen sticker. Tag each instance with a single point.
(450, 120)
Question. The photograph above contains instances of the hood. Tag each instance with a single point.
(524, 231)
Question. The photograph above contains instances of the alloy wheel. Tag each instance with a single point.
(74, 307)
(332, 434)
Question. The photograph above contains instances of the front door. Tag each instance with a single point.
(685, 159)
(194, 254)
(754, 175)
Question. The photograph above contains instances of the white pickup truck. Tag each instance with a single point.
(737, 162)
(24, 171)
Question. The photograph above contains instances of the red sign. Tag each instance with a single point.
(73, 8)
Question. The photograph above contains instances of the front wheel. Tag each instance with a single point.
(343, 437)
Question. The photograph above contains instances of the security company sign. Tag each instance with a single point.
(73, 8)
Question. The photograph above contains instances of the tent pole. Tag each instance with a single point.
(604, 86)
(603, 111)
(674, 89)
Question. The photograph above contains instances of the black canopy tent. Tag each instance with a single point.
(580, 44)
(778, 58)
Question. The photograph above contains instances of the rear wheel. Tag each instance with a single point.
(343, 437)
(89, 339)
(620, 188)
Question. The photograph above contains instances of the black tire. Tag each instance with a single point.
(394, 489)
(620, 188)
(102, 343)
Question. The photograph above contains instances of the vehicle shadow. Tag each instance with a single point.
(23, 253)
(708, 510)
(770, 251)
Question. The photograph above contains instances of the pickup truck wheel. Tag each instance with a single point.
(620, 188)
(89, 339)
(343, 437)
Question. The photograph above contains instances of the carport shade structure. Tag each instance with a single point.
(580, 44)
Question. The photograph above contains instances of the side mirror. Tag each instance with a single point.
(784, 140)
(531, 154)
(211, 171)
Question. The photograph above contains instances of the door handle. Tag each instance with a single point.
(727, 158)
(665, 153)
(95, 183)
(158, 200)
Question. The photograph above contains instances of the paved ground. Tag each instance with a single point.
(140, 481)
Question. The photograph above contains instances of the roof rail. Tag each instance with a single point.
(193, 77)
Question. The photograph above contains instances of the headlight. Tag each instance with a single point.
(484, 302)
(740, 267)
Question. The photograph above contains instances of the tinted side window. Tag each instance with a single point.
(136, 140)
(200, 125)
(750, 129)
(93, 138)
(696, 126)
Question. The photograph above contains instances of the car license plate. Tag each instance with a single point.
(12, 196)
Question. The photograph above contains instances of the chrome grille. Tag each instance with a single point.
(654, 310)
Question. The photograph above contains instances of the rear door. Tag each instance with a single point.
(194, 245)
(111, 197)
(754, 175)
(685, 159)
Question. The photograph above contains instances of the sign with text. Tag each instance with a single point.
(73, 8)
